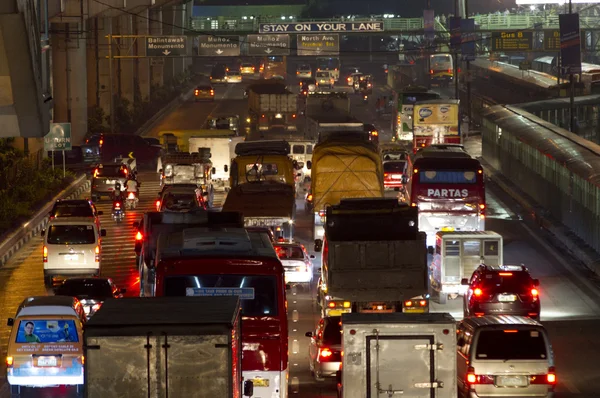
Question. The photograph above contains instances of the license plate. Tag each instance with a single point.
(46, 361)
(447, 229)
(507, 298)
(110, 182)
(71, 257)
(394, 177)
(511, 381)
(260, 382)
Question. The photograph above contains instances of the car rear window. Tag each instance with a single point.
(511, 344)
(73, 210)
(513, 282)
(85, 289)
(47, 331)
(179, 202)
(298, 149)
(112, 171)
(71, 235)
(289, 252)
(322, 74)
(333, 331)
(391, 167)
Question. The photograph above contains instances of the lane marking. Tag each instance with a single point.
(295, 346)
(295, 385)
(295, 315)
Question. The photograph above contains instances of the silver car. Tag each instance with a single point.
(324, 79)
(325, 349)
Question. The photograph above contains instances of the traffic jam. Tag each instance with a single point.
(396, 228)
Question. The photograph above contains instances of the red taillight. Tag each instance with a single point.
(139, 236)
(212, 92)
(535, 293)
(293, 116)
(97, 254)
(96, 170)
(549, 378)
(101, 142)
(505, 273)
(473, 378)
(482, 206)
(449, 70)
(325, 353)
(349, 79)
(477, 292)
(331, 304)
(45, 252)
(197, 92)
(458, 70)
(157, 204)
(117, 205)
(9, 362)
(431, 71)
(385, 175)
(309, 197)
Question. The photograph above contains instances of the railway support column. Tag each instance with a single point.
(156, 64)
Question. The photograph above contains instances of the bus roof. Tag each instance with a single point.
(219, 242)
(443, 163)
(439, 101)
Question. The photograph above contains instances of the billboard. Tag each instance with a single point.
(437, 121)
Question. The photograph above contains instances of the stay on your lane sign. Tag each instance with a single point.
(371, 26)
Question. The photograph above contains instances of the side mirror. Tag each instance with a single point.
(248, 388)
(318, 245)
(461, 342)
(308, 334)
(404, 179)
(464, 282)
(43, 233)
(102, 232)
(312, 256)
(136, 224)
(160, 171)
(214, 171)
(100, 213)
(430, 250)
(536, 282)
(309, 164)
(226, 168)
(10, 322)
(288, 286)
(123, 291)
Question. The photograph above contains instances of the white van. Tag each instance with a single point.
(504, 356)
(72, 246)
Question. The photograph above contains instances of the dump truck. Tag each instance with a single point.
(271, 104)
(165, 346)
(374, 259)
(408, 355)
(222, 151)
(344, 165)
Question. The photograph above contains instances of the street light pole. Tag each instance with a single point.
(571, 89)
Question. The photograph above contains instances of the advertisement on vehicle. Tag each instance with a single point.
(436, 123)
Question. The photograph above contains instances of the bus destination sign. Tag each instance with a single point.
(512, 41)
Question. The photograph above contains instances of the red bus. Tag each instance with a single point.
(447, 186)
(204, 261)
(435, 122)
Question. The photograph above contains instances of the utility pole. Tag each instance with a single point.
(572, 88)
(468, 75)
(456, 59)
(110, 84)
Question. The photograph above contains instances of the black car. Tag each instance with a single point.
(506, 290)
(218, 73)
(91, 292)
(74, 208)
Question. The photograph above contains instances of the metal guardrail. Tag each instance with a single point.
(12, 243)
(485, 22)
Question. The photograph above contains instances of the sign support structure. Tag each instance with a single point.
(58, 138)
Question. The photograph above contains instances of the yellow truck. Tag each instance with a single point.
(344, 165)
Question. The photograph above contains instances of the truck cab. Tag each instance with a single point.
(456, 256)
(262, 161)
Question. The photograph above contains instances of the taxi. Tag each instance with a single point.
(233, 77)
(204, 92)
(247, 69)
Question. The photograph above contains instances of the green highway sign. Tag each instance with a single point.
(59, 137)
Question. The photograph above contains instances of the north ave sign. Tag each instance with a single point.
(371, 26)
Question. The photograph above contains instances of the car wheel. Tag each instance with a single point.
(318, 377)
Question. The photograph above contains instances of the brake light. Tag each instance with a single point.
(101, 142)
(197, 92)
(131, 195)
(535, 292)
(118, 205)
(349, 79)
(293, 116)
(9, 362)
(157, 205)
(96, 171)
(374, 133)
(548, 378)
(97, 254)
(505, 273)
(385, 175)
(449, 70)
(482, 206)
(431, 71)
(45, 251)
(212, 92)
(139, 236)
(473, 378)
(325, 353)
(309, 197)
(477, 292)
(331, 304)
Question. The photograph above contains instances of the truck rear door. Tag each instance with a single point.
(386, 355)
